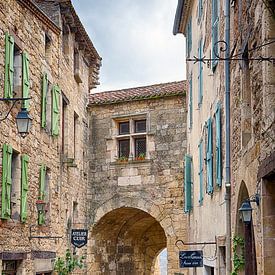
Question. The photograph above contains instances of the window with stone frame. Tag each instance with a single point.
(132, 138)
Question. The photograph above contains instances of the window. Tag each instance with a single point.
(77, 66)
(189, 37)
(44, 193)
(131, 139)
(190, 102)
(140, 146)
(200, 9)
(218, 154)
(188, 184)
(48, 42)
(9, 267)
(209, 158)
(75, 212)
(140, 126)
(200, 74)
(76, 130)
(215, 34)
(64, 122)
(55, 110)
(124, 148)
(201, 171)
(124, 128)
(17, 81)
(15, 185)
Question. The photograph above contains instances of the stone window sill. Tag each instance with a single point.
(131, 162)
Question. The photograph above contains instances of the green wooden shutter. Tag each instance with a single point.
(55, 110)
(209, 158)
(25, 79)
(201, 171)
(24, 187)
(190, 102)
(6, 182)
(44, 100)
(215, 30)
(42, 192)
(9, 70)
(188, 183)
(218, 146)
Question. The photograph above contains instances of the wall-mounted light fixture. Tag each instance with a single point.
(246, 209)
(23, 119)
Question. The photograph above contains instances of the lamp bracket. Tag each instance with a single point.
(192, 243)
(13, 100)
(31, 236)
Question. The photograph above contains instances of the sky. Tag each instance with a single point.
(135, 40)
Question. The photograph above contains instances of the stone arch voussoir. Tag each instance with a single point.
(143, 204)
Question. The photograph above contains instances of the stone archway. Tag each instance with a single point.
(126, 241)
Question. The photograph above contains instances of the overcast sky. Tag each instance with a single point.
(135, 40)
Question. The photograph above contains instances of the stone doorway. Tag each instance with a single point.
(247, 232)
(126, 241)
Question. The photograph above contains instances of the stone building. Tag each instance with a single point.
(135, 197)
(45, 54)
(245, 88)
(253, 131)
(206, 194)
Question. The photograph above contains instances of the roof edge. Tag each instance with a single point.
(181, 17)
(183, 93)
(30, 5)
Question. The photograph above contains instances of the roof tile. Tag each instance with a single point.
(139, 93)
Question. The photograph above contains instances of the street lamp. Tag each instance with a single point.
(246, 212)
(246, 209)
(23, 122)
(23, 119)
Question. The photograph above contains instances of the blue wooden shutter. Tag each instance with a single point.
(25, 79)
(55, 110)
(190, 102)
(9, 69)
(200, 75)
(200, 8)
(6, 182)
(215, 30)
(24, 187)
(44, 100)
(218, 146)
(189, 37)
(201, 171)
(209, 158)
(188, 183)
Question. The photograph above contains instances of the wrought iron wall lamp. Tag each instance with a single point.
(23, 119)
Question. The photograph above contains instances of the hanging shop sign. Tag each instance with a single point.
(79, 237)
(191, 258)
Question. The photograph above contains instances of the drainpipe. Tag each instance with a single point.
(227, 139)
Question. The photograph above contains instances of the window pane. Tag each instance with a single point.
(124, 148)
(124, 128)
(140, 146)
(140, 126)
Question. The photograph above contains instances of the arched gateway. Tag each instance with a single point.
(126, 241)
(137, 144)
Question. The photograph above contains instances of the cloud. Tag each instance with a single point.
(135, 41)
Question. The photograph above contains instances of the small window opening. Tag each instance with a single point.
(17, 76)
(76, 136)
(15, 185)
(47, 47)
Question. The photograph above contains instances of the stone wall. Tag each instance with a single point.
(67, 169)
(136, 207)
(252, 105)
